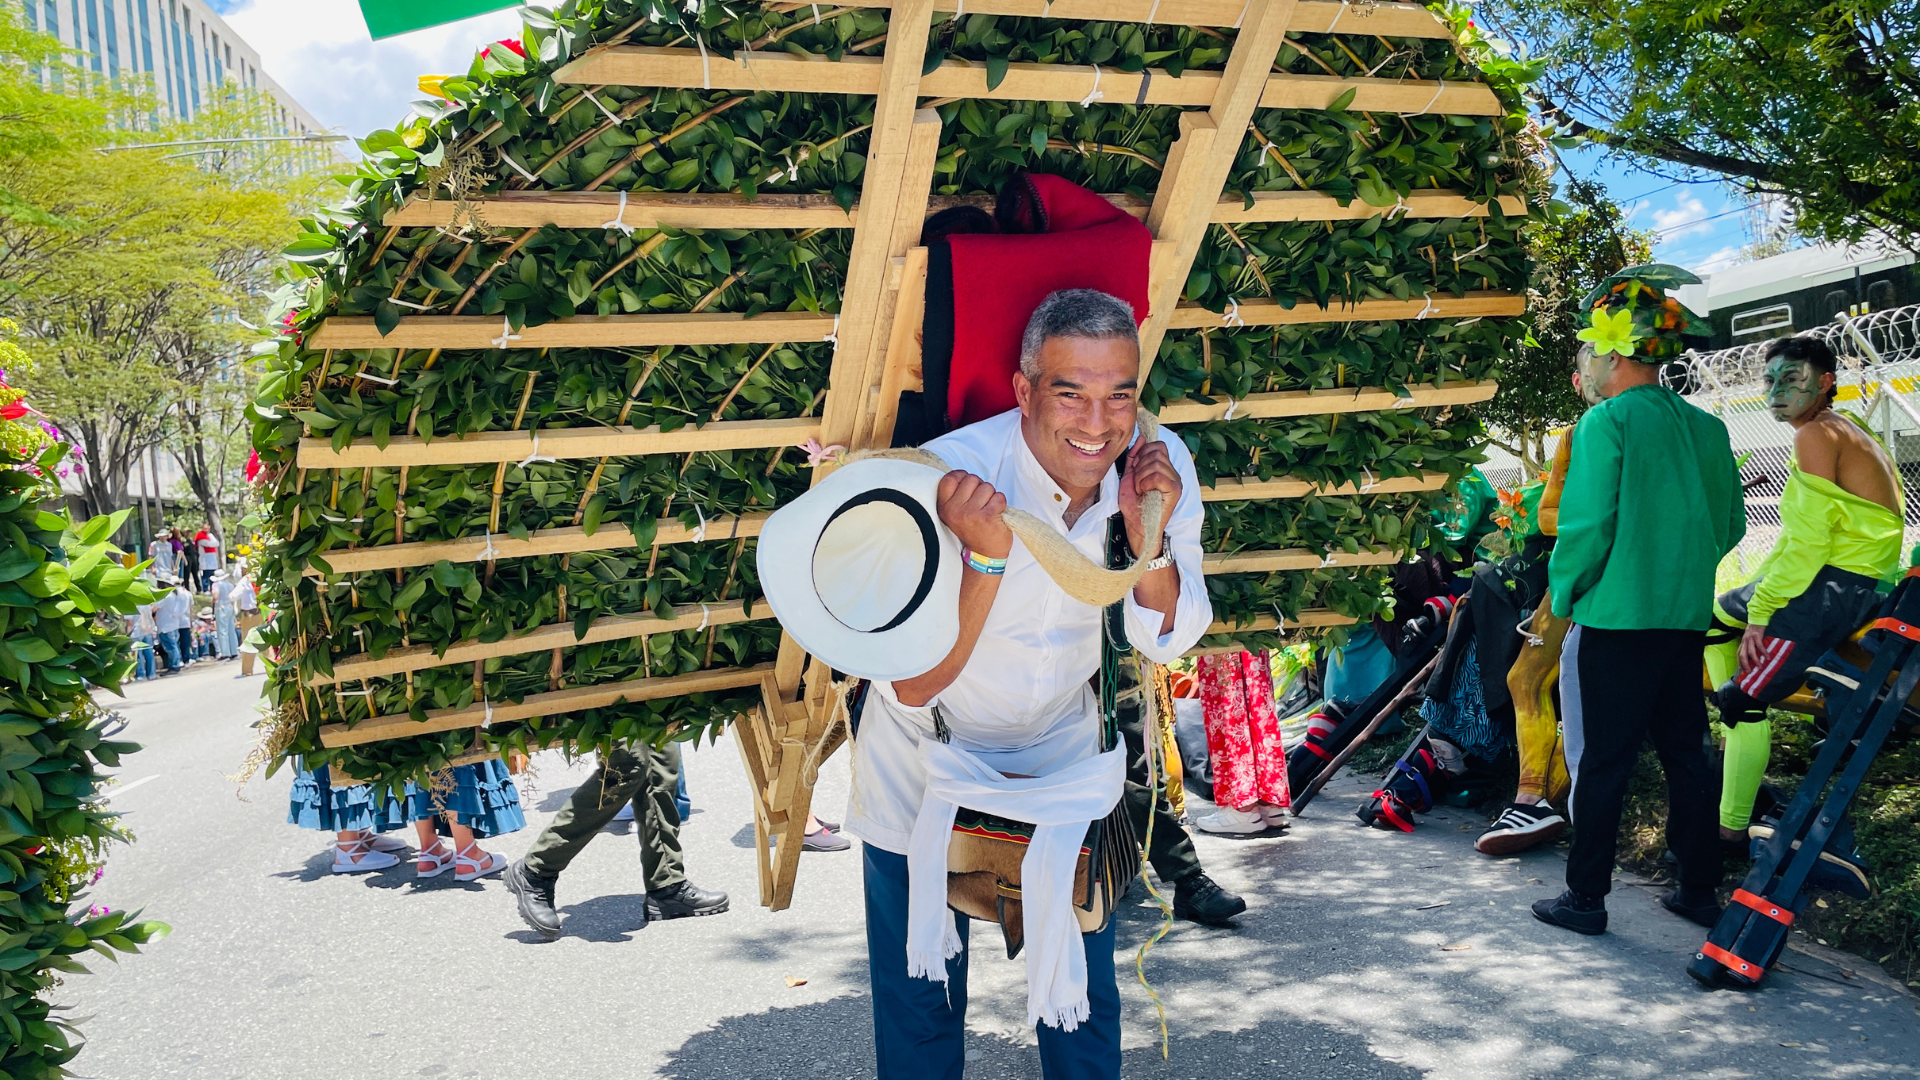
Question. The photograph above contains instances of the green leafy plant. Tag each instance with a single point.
(62, 586)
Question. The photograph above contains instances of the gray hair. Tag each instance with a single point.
(1086, 313)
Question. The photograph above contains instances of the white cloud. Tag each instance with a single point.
(1719, 260)
(1683, 220)
(320, 52)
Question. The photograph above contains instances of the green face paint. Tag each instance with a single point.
(1594, 370)
(1793, 388)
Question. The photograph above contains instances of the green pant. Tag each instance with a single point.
(639, 774)
(1171, 851)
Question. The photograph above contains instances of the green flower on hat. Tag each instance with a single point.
(1611, 332)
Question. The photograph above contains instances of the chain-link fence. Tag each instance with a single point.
(1879, 381)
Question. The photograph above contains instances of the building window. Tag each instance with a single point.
(146, 35)
(1836, 302)
(1881, 296)
(1766, 322)
(93, 31)
(113, 43)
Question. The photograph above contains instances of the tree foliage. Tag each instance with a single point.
(1816, 100)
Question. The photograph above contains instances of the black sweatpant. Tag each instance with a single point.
(1619, 689)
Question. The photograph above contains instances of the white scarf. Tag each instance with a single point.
(1060, 806)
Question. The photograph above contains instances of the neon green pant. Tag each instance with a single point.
(1749, 745)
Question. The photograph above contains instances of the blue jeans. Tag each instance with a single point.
(680, 800)
(143, 664)
(170, 646)
(920, 1026)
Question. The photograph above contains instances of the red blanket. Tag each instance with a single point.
(1070, 238)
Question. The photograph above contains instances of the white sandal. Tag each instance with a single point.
(358, 857)
(493, 864)
(440, 858)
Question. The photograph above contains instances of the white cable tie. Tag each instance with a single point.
(704, 616)
(1231, 316)
(1279, 617)
(700, 533)
(411, 304)
(960, 9)
(1248, 6)
(1233, 404)
(1152, 11)
(1326, 561)
(619, 219)
(706, 64)
(1399, 206)
(343, 520)
(603, 109)
(816, 14)
(535, 456)
(1336, 16)
(488, 553)
(1370, 484)
(1096, 93)
(833, 336)
(1429, 309)
(354, 693)
(506, 333)
(374, 378)
(1441, 89)
(486, 718)
(517, 167)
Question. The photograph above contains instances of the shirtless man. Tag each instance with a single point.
(1840, 535)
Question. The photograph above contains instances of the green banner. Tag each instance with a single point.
(385, 18)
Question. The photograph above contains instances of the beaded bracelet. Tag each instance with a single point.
(984, 564)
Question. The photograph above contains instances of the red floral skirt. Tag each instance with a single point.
(1243, 731)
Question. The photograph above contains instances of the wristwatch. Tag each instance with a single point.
(1165, 558)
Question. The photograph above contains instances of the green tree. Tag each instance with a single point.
(1572, 252)
(1815, 100)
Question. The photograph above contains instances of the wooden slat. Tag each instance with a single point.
(338, 779)
(552, 636)
(910, 214)
(1308, 618)
(553, 703)
(645, 210)
(558, 443)
(698, 210)
(1228, 488)
(1488, 304)
(1199, 161)
(1262, 562)
(901, 369)
(1323, 402)
(581, 331)
(783, 72)
(538, 542)
(1310, 17)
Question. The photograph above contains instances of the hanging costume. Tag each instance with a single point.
(1817, 586)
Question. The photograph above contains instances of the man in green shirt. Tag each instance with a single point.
(1651, 505)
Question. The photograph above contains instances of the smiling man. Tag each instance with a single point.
(1016, 690)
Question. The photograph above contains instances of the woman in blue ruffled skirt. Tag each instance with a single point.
(475, 802)
(356, 816)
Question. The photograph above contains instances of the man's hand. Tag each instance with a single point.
(971, 508)
(1753, 645)
(1148, 469)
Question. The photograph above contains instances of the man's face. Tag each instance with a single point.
(1078, 415)
(1793, 388)
(1592, 372)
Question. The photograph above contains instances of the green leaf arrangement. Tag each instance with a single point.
(507, 126)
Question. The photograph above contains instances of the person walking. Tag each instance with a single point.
(246, 605)
(1652, 503)
(172, 615)
(207, 551)
(183, 567)
(637, 774)
(226, 635)
(474, 802)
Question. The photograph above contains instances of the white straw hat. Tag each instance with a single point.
(862, 573)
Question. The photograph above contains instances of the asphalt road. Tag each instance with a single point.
(1343, 968)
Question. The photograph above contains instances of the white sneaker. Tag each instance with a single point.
(1277, 817)
(358, 857)
(1227, 821)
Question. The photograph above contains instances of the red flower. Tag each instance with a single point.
(14, 411)
(252, 471)
(509, 43)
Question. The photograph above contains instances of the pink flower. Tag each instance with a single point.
(252, 471)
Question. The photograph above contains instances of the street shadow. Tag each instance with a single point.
(602, 918)
(834, 1039)
(552, 801)
(744, 837)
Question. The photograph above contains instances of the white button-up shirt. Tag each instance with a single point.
(1023, 703)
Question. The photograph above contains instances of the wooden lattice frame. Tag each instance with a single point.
(876, 355)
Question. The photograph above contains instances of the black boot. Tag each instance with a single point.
(1698, 906)
(1571, 910)
(535, 895)
(683, 900)
(1198, 899)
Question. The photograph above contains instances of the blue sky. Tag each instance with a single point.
(355, 85)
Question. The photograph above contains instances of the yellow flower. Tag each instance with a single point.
(1611, 332)
(430, 84)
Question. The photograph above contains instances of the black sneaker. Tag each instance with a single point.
(1703, 909)
(1522, 826)
(535, 896)
(1198, 899)
(1580, 914)
(685, 900)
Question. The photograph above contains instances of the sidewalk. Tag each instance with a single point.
(278, 969)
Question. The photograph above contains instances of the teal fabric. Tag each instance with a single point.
(1358, 668)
